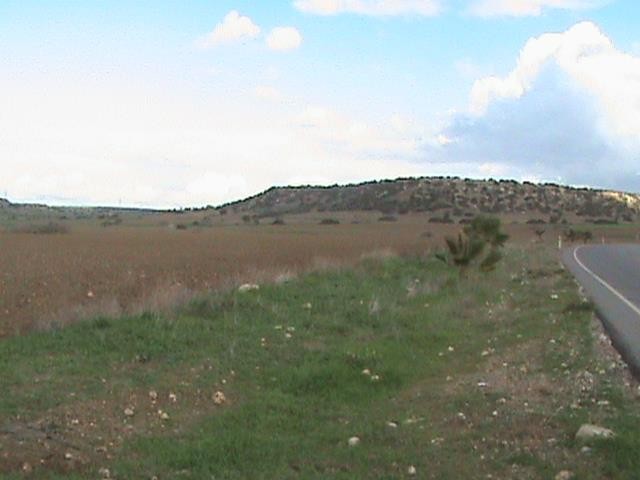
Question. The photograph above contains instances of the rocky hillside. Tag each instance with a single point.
(448, 200)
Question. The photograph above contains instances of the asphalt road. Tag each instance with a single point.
(610, 276)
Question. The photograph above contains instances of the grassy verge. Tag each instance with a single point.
(487, 377)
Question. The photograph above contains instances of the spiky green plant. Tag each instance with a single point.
(487, 229)
(468, 248)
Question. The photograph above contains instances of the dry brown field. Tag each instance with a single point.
(51, 280)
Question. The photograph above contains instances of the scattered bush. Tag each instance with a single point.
(278, 221)
(444, 219)
(329, 221)
(539, 233)
(576, 235)
(388, 218)
(50, 228)
(110, 222)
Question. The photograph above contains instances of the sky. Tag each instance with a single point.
(178, 104)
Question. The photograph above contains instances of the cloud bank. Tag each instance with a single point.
(429, 8)
(425, 8)
(234, 28)
(521, 8)
(569, 111)
(284, 38)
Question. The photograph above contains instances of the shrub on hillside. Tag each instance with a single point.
(329, 221)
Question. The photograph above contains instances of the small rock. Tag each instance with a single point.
(375, 378)
(173, 397)
(219, 398)
(129, 412)
(163, 415)
(585, 450)
(564, 475)
(104, 473)
(366, 372)
(307, 306)
(354, 441)
(248, 287)
(450, 348)
(153, 395)
(27, 468)
(392, 424)
(287, 335)
(589, 432)
(412, 470)
(68, 456)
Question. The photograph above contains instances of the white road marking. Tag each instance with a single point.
(624, 299)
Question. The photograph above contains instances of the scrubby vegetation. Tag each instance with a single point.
(452, 198)
(50, 228)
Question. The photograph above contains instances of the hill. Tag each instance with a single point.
(447, 199)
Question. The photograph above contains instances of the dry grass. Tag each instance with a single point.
(53, 280)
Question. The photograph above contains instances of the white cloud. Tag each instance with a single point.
(570, 107)
(223, 184)
(591, 61)
(370, 7)
(233, 28)
(266, 92)
(521, 8)
(284, 38)
(353, 138)
(74, 142)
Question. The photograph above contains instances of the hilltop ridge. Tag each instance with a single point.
(447, 199)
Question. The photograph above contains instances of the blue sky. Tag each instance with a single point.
(173, 103)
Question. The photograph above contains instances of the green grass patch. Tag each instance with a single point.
(460, 378)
